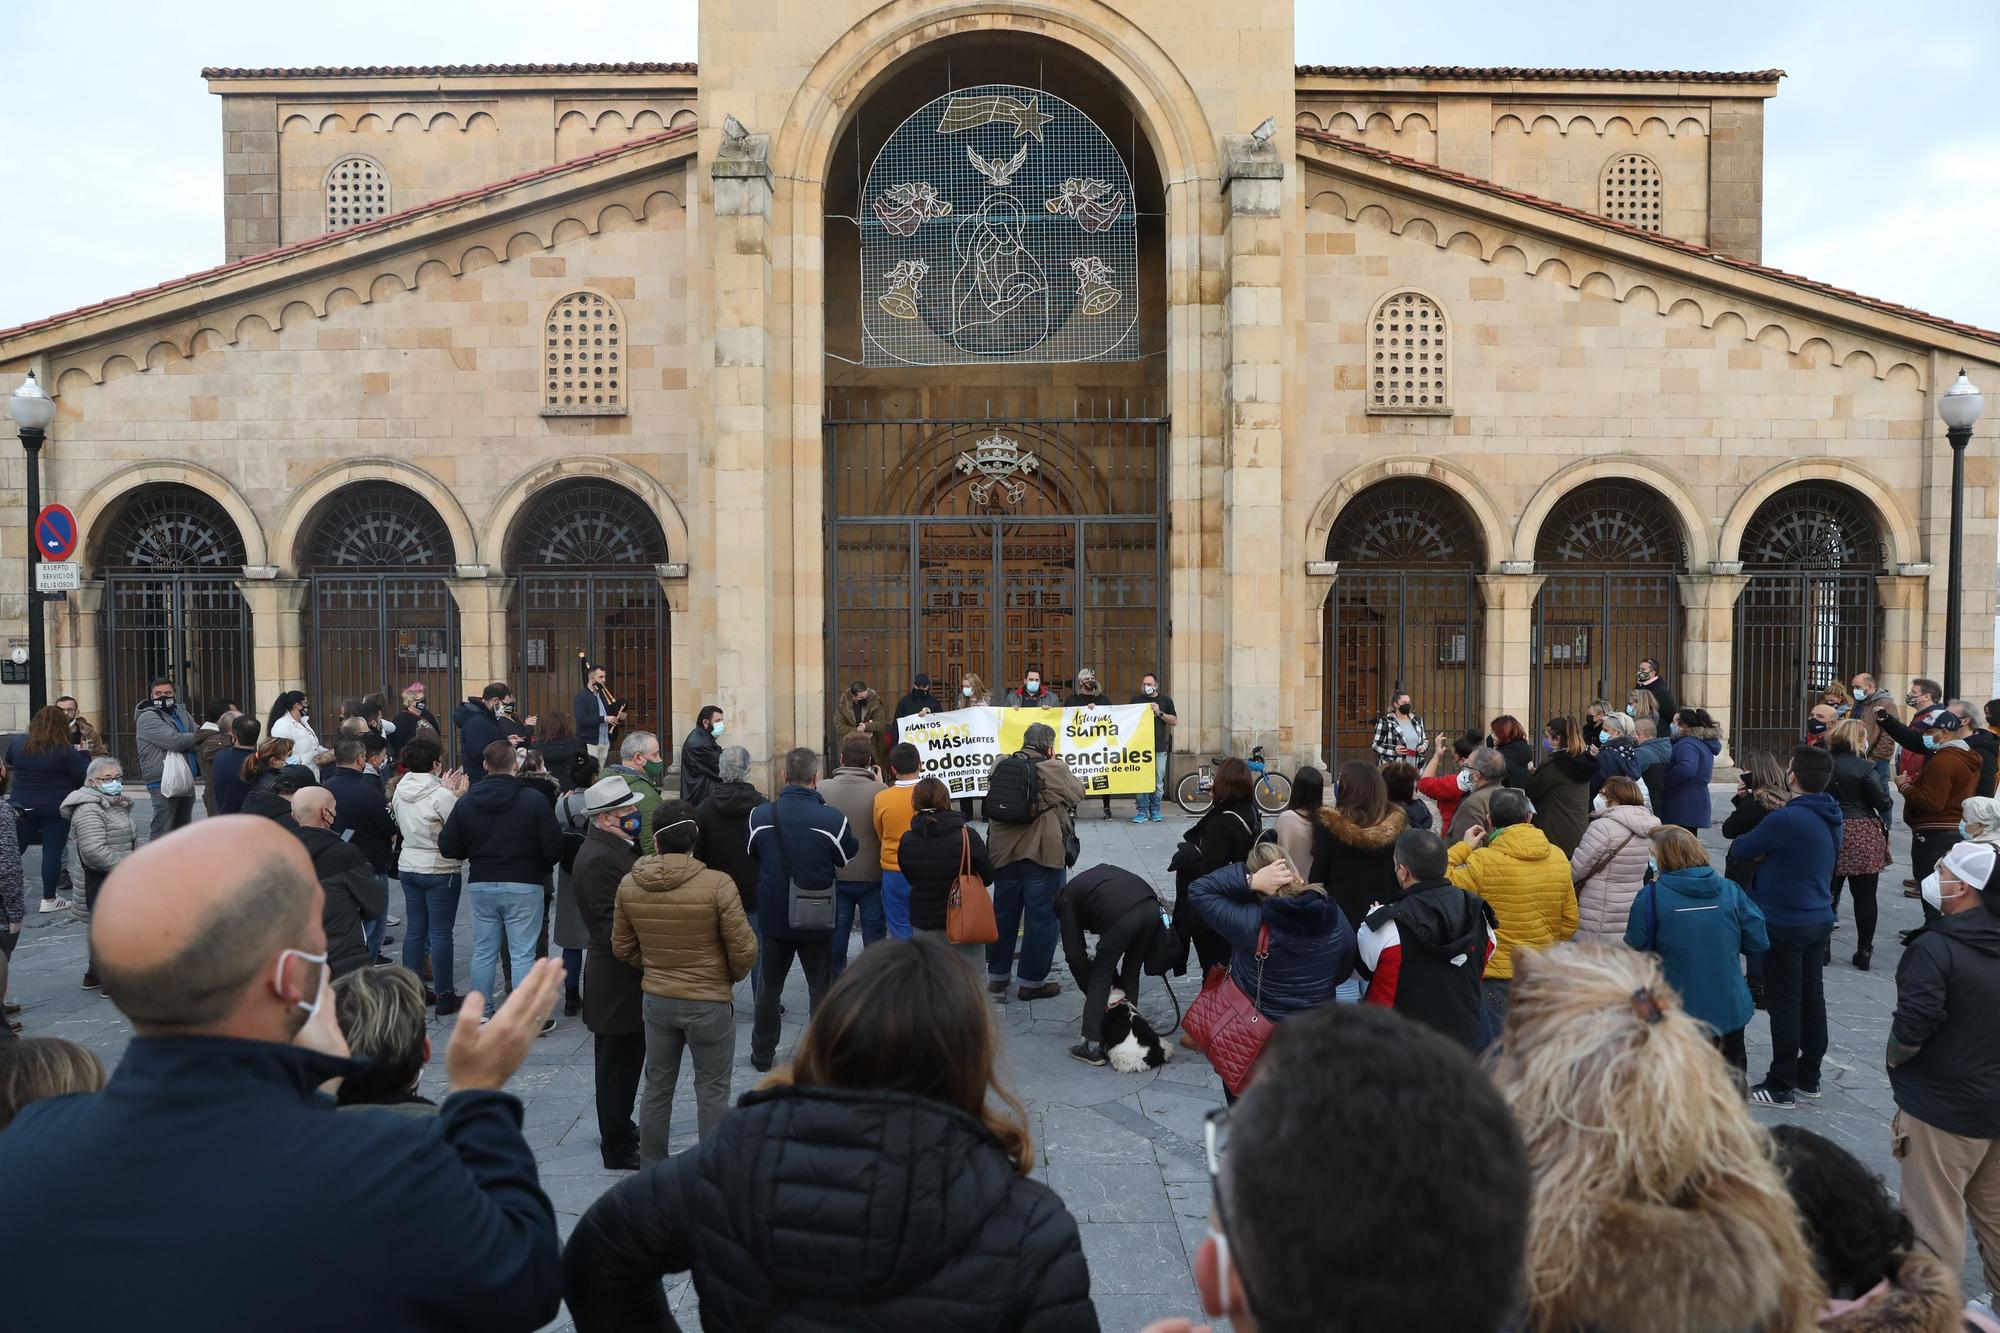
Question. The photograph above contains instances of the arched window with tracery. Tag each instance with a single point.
(586, 555)
(1405, 612)
(583, 357)
(1807, 614)
(1610, 552)
(1409, 356)
(357, 191)
(1630, 191)
(171, 559)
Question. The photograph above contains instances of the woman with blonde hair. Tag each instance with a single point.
(872, 1184)
(1657, 1206)
(1864, 832)
(34, 1069)
(972, 693)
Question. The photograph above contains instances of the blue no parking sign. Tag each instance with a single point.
(55, 532)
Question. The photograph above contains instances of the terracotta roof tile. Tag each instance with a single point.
(1655, 238)
(441, 71)
(1526, 72)
(334, 237)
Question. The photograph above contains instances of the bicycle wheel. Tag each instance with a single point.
(1191, 796)
(1274, 793)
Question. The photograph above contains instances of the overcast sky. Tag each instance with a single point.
(1882, 158)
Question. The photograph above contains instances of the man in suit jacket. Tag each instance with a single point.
(594, 720)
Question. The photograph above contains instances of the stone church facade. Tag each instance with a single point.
(966, 337)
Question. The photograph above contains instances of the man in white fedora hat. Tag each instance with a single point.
(613, 1005)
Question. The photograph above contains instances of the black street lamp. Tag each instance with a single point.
(32, 411)
(1959, 407)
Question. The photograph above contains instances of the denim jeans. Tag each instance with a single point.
(430, 908)
(49, 830)
(1493, 997)
(372, 931)
(1149, 806)
(850, 897)
(1024, 896)
(1795, 994)
(707, 1030)
(896, 904)
(502, 914)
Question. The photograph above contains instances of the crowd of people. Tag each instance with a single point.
(1508, 980)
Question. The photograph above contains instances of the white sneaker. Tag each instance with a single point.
(395, 921)
(55, 904)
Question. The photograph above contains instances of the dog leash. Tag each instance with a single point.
(1177, 1008)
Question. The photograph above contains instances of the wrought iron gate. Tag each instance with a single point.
(376, 633)
(1591, 630)
(193, 628)
(620, 620)
(1390, 631)
(988, 541)
(1795, 633)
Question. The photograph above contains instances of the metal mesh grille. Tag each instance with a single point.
(1405, 523)
(998, 225)
(377, 526)
(587, 524)
(1814, 525)
(171, 528)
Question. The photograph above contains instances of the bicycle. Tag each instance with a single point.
(1273, 791)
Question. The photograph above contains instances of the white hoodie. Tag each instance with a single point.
(420, 806)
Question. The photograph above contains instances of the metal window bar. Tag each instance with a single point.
(1796, 632)
(369, 633)
(1400, 630)
(194, 628)
(1590, 631)
(620, 620)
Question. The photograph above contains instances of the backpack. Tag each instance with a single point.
(1015, 790)
(569, 812)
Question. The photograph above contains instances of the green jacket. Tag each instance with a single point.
(649, 803)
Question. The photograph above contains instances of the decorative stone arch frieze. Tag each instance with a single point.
(1899, 530)
(354, 191)
(1494, 536)
(307, 499)
(1666, 294)
(100, 505)
(522, 493)
(1697, 528)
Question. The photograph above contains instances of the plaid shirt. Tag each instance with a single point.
(1389, 739)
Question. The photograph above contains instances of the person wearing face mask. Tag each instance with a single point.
(1933, 800)
(1399, 733)
(1925, 700)
(859, 711)
(919, 702)
(1440, 777)
(1483, 775)
(1648, 678)
(972, 693)
(211, 943)
(1867, 700)
(1799, 844)
(1031, 694)
(1684, 798)
(1088, 694)
(1424, 955)
(1164, 722)
(351, 893)
(1617, 752)
(507, 833)
(1944, 1063)
(1864, 831)
(415, 713)
(613, 1001)
(100, 828)
(701, 755)
(163, 728)
(1701, 925)
(1437, 1163)
(1819, 720)
(291, 720)
(682, 924)
(1609, 863)
(1984, 743)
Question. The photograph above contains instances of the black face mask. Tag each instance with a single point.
(165, 703)
(1816, 728)
(1403, 708)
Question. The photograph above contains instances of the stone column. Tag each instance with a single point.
(1322, 577)
(277, 637)
(1507, 641)
(745, 525)
(1708, 645)
(680, 651)
(76, 641)
(1253, 441)
(1904, 599)
(484, 653)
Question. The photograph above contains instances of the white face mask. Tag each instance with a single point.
(1151, 690)
(1934, 893)
(1597, 802)
(1222, 1302)
(1465, 779)
(278, 977)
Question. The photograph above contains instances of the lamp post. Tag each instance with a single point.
(1959, 407)
(32, 411)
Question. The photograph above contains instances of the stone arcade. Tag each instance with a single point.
(965, 337)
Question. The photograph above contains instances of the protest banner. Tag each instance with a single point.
(1110, 749)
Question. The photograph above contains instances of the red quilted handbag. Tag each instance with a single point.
(1227, 1026)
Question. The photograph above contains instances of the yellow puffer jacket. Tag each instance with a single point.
(1526, 879)
(682, 924)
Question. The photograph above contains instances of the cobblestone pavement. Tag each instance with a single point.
(1124, 1151)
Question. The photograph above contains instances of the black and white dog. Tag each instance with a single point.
(1129, 1039)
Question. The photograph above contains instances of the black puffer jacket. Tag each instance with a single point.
(825, 1208)
(722, 837)
(930, 855)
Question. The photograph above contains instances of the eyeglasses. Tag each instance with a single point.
(1215, 1137)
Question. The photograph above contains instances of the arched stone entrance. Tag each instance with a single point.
(379, 613)
(170, 558)
(1611, 552)
(1404, 613)
(1807, 614)
(586, 555)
